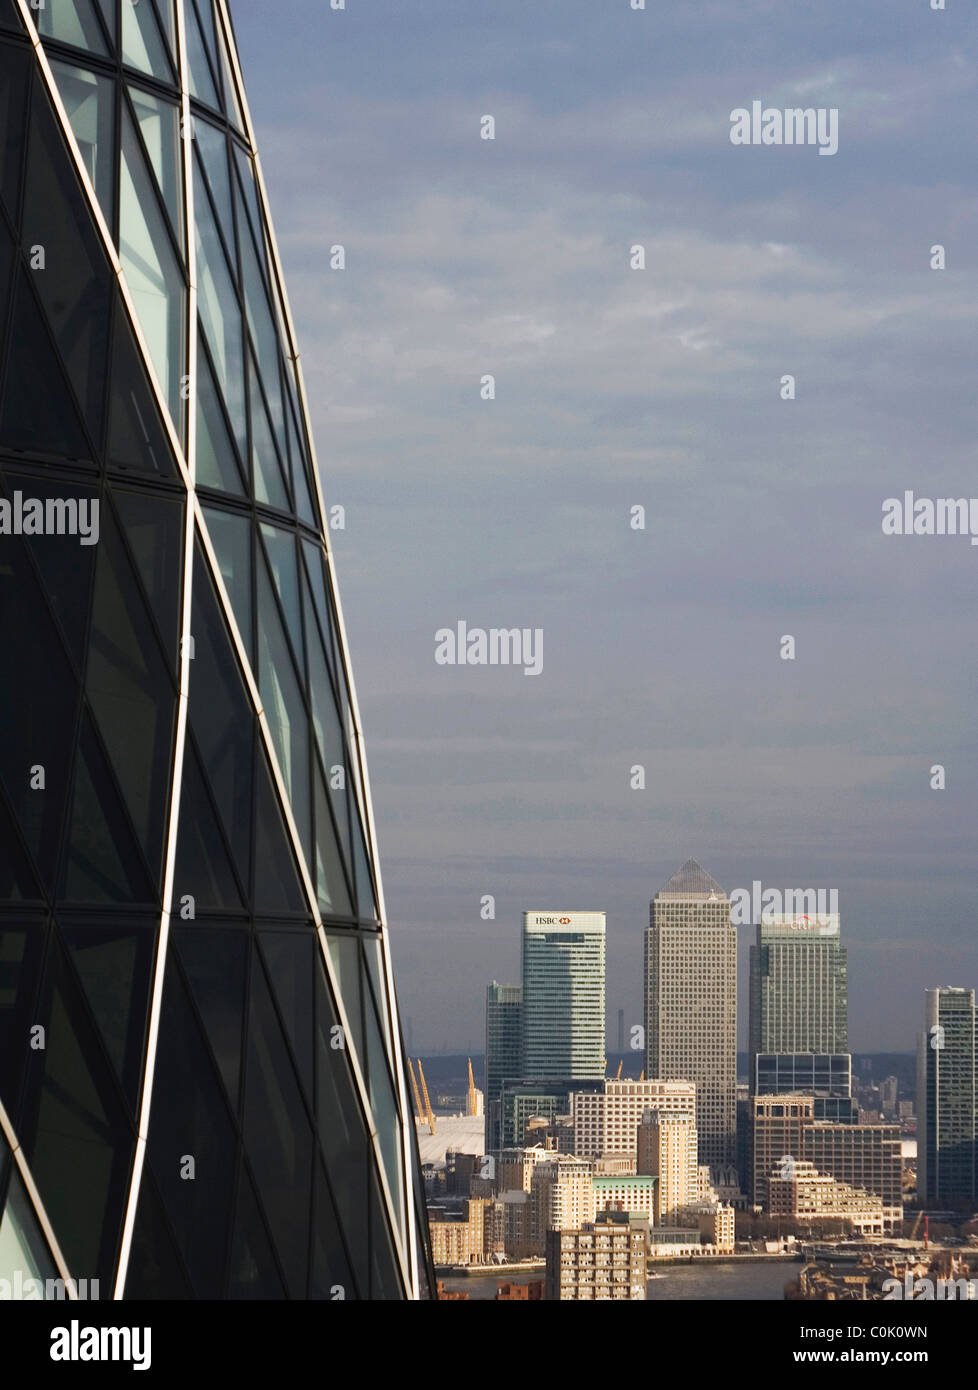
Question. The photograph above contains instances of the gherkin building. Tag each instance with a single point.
(201, 1069)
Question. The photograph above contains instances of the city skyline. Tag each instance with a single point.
(617, 387)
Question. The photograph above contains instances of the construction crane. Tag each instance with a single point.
(427, 1102)
(419, 1114)
(620, 1065)
(641, 1074)
(471, 1103)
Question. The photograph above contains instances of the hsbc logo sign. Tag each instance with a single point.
(551, 921)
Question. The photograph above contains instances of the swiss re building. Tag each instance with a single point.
(201, 1073)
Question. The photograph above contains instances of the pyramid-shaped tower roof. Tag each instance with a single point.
(692, 881)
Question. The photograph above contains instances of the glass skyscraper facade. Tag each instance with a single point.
(201, 1074)
(691, 1004)
(799, 997)
(947, 1099)
(563, 1012)
(504, 1052)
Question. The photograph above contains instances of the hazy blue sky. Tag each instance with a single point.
(661, 387)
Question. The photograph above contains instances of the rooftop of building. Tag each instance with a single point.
(691, 881)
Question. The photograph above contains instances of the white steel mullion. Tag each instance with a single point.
(186, 641)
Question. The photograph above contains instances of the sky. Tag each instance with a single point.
(660, 388)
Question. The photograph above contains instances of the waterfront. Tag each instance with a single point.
(736, 1281)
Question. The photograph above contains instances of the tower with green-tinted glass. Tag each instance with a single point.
(201, 1070)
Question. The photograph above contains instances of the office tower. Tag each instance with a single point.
(889, 1095)
(523, 1102)
(504, 1058)
(827, 1077)
(798, 985)
(563, 994)
(667, 1149)
(867, 1156)
(195, 973)
(691, 1003)
(606, 1118)
(947, 1102)
(778, 1133)
(601, 1260)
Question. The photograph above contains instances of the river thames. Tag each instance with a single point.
(736, 1281)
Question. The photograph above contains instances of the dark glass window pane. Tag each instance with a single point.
(131, 693)
(386, 1282)
(221, 717)
(269, 481)
(22, 941)
(290, 962)
(136, 434)
(77, 1139)
(280, 549)
(276, 877)
(103, 862)
(332, 887)
(366, 905)
(14, 74)
(155, 1269)
(17, 881)
(38, 732)
(154, 528)
(190, 1121)
(330, 1267)
(383, 1103)
(203, 868)
(215, 961)
(305, 507)
(278, 1136)
(341, 1128)
(75, 284)
(220, 312)
(66, 566)
(38, 414)
(114, 963)
(287, 718)
(344, 953)
(255, 1272)
(231, 536)
(217, 464)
